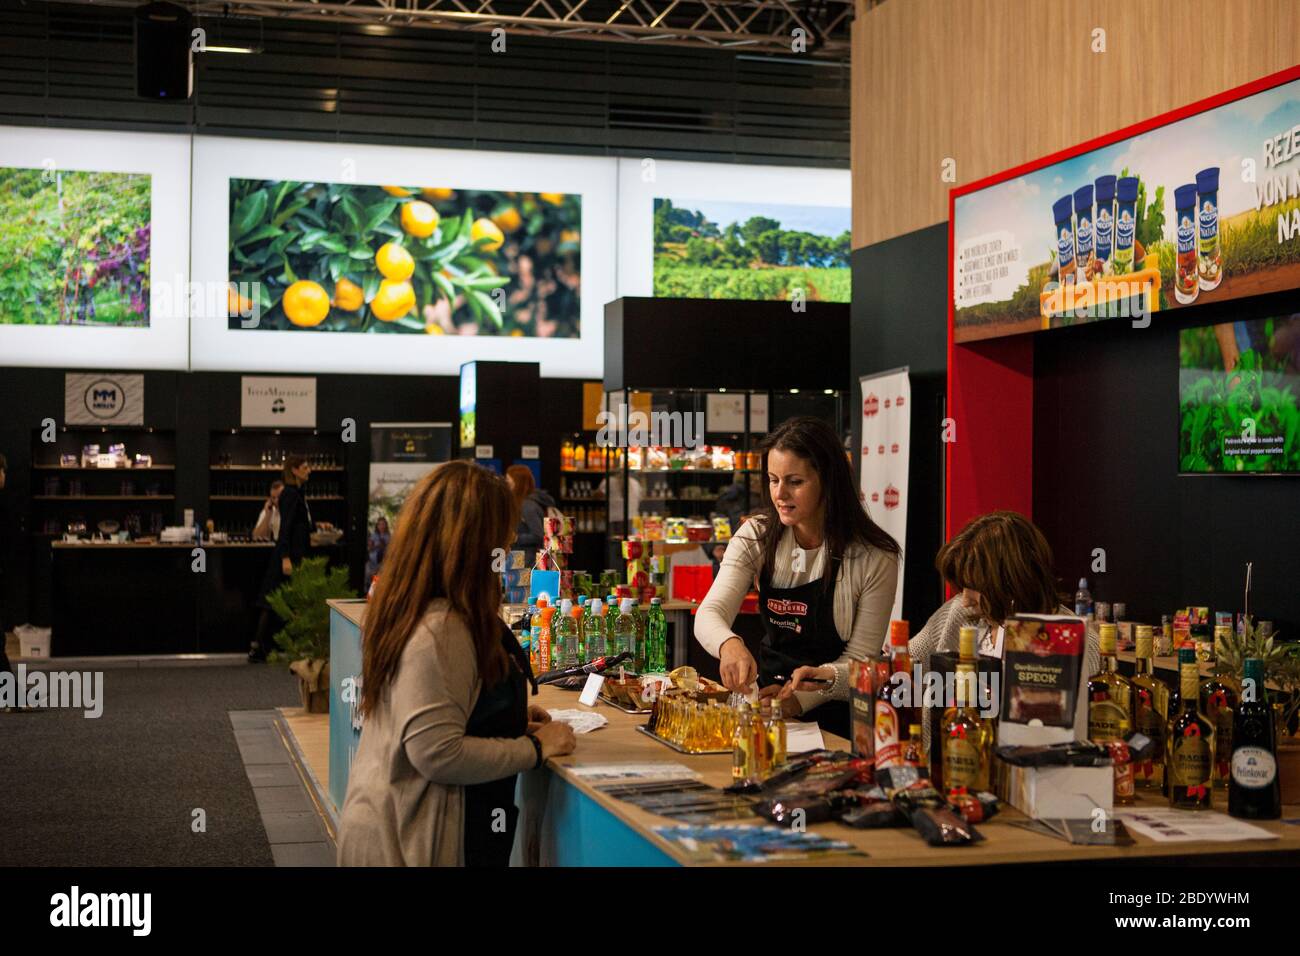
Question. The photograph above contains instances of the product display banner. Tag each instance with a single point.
(401, 453)
(277, 402)
(1203, 208)
(886, 447)
(95, 398)
(410, 441)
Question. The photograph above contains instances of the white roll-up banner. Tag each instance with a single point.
(886, 443)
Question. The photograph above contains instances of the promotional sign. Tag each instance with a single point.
(886, 443)
(401, 453)
(93, 398)
(1203, 208)
(277, 402)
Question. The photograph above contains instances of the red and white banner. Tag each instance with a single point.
(886, 442)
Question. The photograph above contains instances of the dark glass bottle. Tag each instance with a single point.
(1254, 790)
(1191, 742)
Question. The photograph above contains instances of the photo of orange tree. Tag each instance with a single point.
(339, 257)
(74, 248)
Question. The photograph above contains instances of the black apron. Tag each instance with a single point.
(500, 711)
(799, 630)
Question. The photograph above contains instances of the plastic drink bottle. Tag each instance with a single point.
(565, 635)
(623, 630)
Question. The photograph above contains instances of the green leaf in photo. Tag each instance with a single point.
(248, 213)
(488, 306)
(378, 212)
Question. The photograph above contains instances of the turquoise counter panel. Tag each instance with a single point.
(345, 701)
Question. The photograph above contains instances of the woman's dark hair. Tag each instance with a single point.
(290, 463)
(846, 520)
(1003, 556)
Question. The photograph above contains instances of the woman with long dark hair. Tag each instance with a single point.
(444, 688)
(827, 574)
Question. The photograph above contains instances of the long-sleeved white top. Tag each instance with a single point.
(864, 594)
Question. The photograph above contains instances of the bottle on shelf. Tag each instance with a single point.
(1083, 600)
(579, 457)
(1218, 699)
(1191, 742)
(1255, 790)
(1150, 709)
(565, 635)
(1110, 695)
(967, 738)
(566, 455)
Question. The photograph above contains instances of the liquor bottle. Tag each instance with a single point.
(759, 762)
(594, 628)
(901, 664)
(914, 751)
(889, 743)
(623, 629)
(564, 635)
(1150, 710)
(657, 636)
(1083, 600)
(776, 735)
(741, 743)
(1218, 703)
(1110, 695)
(1191, 742)
(967, 738)
(1255, 790)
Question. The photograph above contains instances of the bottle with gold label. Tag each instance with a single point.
(1218, 699)
(1191, 742)
(776, 736)
(1110, 695)
(966, 737)
(1150, 710)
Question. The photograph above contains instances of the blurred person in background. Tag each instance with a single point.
(376, 548)
(268, 522)
(291, 544)
(533, 504)
(448, 727)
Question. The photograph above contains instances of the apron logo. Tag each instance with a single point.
(782, 606)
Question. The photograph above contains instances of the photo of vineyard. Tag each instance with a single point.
(74, 248)
(1237, 387)
(744, 250)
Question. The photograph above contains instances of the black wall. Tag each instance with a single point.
(1105, 451)
(899, 317)
(194, 404)
(1106, 426)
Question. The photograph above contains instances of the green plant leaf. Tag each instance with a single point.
(248, 213)
(488, 306)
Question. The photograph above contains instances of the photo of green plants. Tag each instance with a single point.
(341, 257)
(1237, 387)
(744, 250)
(74, 248)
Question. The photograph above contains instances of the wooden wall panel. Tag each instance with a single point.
(995, 83)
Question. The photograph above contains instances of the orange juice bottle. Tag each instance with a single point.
(566, 456)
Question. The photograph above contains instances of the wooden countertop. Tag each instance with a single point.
(619, 742)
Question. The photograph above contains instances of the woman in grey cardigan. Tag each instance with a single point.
(444, 693)
(1001, 565)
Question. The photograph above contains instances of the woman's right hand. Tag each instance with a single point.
(739, 669)
(810, 673)
(557, 739)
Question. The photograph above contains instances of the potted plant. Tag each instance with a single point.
(304, 641)
(1282, 670)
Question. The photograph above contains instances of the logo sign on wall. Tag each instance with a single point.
(103, 399)
(277, 402)
(886, 441)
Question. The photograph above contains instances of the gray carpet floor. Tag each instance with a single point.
(120, 790)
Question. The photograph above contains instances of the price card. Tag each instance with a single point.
(590, 692)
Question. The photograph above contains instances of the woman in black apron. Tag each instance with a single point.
(799, 627)
(826, 574)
